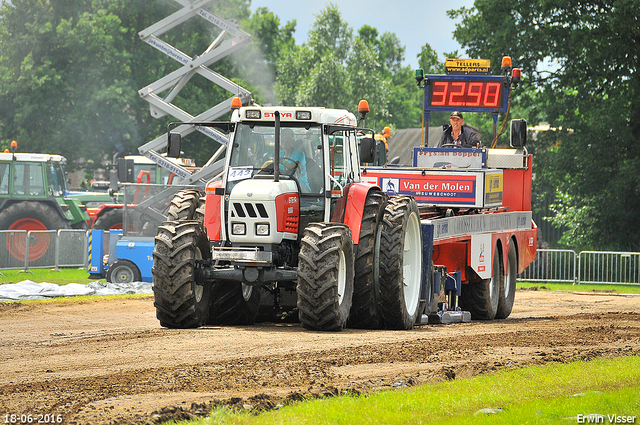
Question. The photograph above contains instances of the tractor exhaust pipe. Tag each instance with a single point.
(276, 156)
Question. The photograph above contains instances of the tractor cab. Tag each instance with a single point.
(286, 167)
(29, 175)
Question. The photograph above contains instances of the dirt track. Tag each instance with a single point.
(110, 361)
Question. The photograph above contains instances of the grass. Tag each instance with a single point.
(546, 286)
(551, 394)
(60, 277)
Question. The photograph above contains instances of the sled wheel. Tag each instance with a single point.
(508, 288)
(123, 271)
(481, 297)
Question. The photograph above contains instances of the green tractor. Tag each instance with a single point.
(34, 196)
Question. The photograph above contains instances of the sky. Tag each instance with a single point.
(414, 22)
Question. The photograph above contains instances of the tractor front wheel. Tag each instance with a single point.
(110, 220)
(325, 276)
(180, 301)
(30, 215)
(187, 204)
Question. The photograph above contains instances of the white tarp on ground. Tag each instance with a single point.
(29, 290)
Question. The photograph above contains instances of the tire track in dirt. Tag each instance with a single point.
(110, 362)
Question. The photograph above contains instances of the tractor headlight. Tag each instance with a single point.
(303, 115)
(262, 229)
(239, 229)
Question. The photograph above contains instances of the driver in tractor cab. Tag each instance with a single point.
(457, 135)
(294, 158)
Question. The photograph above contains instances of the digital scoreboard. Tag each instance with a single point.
(470, 93)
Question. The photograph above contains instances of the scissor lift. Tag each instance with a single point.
(230, 39)
(160, 95)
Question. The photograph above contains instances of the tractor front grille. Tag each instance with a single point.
(248, 209)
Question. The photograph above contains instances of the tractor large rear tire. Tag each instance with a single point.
(30, 215)
(187, 204)
(233, 303)
(180, 301)
(364, 309)
(508, 288)
(110, 220)
(325, 276)
(481, 298)
(400, 263)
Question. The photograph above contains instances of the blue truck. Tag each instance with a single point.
(119, 260)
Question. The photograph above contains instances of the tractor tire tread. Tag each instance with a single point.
(318, 299)
(186, 205)
(174, 255)
(364, 309)
(392, 300)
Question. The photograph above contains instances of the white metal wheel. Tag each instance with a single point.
(412, 264)
(342, 277)
(497, 279)
(508, 277)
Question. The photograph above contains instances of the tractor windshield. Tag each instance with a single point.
(300, 154)
(28, 179)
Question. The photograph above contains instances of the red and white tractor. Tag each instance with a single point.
(290, 226)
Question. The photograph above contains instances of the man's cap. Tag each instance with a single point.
(456, 114)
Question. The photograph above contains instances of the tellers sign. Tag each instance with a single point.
(473, 93)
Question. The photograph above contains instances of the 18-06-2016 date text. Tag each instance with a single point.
(32, 418)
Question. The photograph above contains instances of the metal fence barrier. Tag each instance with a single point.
(552, 265)
(621, 268)
(599, 267)
(43, 249)
(68, 248)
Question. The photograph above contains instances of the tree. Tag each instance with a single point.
(336, 69)
(314, 74)
(51, 53)
(430, 64)
(581, 67)
(70, 72)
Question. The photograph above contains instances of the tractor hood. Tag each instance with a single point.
(262, 211)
